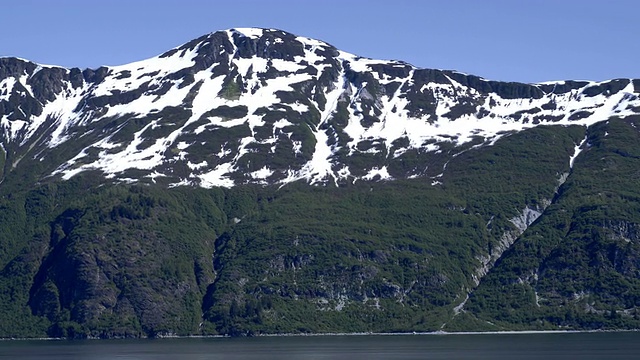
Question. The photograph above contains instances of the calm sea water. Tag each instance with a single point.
(486, 346)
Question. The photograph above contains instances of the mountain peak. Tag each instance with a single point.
(249, 32)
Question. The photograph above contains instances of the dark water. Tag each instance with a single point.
(485, 346)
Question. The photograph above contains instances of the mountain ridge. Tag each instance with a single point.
(342, 118)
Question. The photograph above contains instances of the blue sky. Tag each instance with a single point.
(510, 40)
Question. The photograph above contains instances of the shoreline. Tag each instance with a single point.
(444, 333)
(430, 333)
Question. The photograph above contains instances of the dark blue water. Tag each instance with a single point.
(486, 346)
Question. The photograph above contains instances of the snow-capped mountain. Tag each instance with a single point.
(524, 213)
(269, 107)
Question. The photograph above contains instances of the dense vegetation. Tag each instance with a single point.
(83, 258)
(578, 266)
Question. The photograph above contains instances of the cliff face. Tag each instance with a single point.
(255, 181)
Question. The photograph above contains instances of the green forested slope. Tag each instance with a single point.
(577, 267)
(87, 258)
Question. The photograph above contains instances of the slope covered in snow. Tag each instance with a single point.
(265, 106)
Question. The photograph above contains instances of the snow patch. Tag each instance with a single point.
(262, 174)
(197, 166)
(578, 149)
(252, 33)
(301, 108)
(216, 177)
(6, 87)
(376, 172)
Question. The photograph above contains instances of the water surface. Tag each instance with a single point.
(621, 345)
